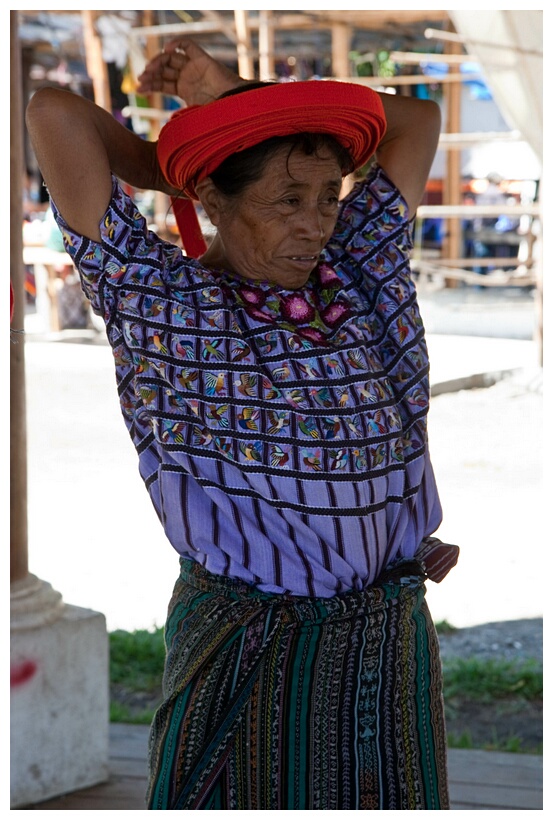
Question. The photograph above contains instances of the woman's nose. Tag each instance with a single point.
(312, 223)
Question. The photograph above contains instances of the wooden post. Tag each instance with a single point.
(95, 64)
(452, 182)
(266, 46)
(161, 200)
(341, 38)
(18, 426)
(243, 46)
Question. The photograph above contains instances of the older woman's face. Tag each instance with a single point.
(277, 228)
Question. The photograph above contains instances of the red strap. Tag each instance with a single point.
(189, 226)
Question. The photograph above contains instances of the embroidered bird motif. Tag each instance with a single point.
(354, 425)
(339, 459)
(308, 426)
(281, 373)
(322, 397)
(396, 450)
(403, 329)
(312, 462)
(331, 427)
(110, 225)
(132, 334)
(217, 413)
(202, 437)
(172, 432)
(214, 383)
(417, 397)
(268, 343)
(247, 419)
(174, 399)
(240, 350)
(360, 459)
(186, 378)
(251, 449)
(158, 344)
(309, 371)
(344, 398)
(375, 423)
(295, 397)
(377, 454)
(394, 419)
(152, 307)
(277, 420)
(183, 316)
(355, 359)
(278, 457)
(270, 391)
(224, 447)
(121, 357)
(334, 366)
(148, 394)
(185, 349)
(246, 384)
(210, 349)
(211, 295)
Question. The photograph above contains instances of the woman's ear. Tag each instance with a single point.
(211, 199)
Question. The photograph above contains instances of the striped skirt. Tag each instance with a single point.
(274, 702)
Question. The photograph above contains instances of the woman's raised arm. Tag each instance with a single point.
(408, 147)
(78, 145)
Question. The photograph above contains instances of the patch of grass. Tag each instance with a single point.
(461, 741)
(119, 713)
(445, 628)
(489, 680)
(137, 658)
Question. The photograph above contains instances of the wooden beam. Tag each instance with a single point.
(301, 20)
(266, 46)
(467, 211)
(227, 28)
(18, 427)
(416, 58)
(412, 79)
(95, 64)
(341, 39)
(378, 19)
(452, 183)
(244, 46)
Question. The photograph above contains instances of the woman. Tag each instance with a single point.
(276, 391)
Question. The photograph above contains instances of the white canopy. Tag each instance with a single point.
(509, 47)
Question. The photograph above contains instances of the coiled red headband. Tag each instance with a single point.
(197, 139)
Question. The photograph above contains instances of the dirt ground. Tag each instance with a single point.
(514, 723)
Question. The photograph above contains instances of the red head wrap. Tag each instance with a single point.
(197, 139)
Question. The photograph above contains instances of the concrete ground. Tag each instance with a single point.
(94, 536)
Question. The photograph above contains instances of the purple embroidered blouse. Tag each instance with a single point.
(281, 434)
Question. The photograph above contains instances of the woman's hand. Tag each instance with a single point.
(185, 70)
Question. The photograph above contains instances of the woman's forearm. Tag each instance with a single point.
(408, 147)
(78, 146)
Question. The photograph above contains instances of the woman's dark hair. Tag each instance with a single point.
(243, 168)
